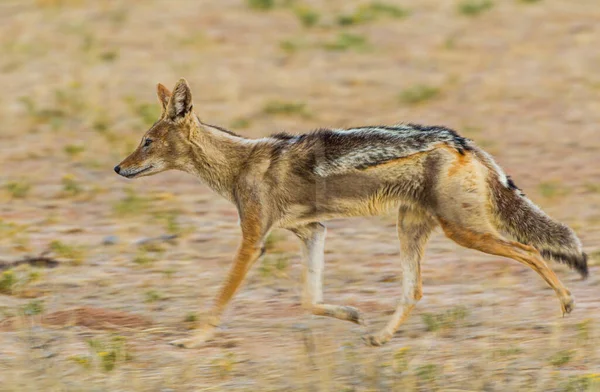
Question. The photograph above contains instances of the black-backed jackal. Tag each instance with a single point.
(433, 176)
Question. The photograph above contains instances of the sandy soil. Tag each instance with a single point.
(78, 91)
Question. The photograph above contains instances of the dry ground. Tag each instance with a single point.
(77, 92)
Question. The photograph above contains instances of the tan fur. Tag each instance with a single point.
(296, 182)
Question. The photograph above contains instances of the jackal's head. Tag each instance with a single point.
(166, 144)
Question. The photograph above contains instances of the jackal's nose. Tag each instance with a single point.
(117, 169)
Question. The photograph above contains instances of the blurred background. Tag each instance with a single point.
(138, 260)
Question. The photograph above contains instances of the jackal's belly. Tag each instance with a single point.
(338, 208)
(360, 194)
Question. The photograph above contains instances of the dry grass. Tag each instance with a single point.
(78, 83)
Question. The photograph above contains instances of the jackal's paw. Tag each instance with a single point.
(375, 340)
(568, 304)
(196, 340)
(354, 315)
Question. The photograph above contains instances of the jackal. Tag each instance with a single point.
(431, 174)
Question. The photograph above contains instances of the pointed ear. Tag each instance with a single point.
(163, 96)
(181, 100)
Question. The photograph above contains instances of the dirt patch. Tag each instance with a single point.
(93, 318)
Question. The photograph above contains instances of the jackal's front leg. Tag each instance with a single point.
(313, 244)
(249, 251)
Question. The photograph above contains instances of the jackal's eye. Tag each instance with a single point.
(147, 142)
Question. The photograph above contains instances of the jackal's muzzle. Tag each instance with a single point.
(131, 172)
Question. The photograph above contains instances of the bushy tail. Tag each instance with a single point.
(518, 217)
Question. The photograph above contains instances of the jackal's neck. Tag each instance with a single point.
(217, 157)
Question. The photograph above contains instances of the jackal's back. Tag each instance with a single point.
(338, 151)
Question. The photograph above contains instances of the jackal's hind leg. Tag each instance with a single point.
(313, 243)
(493, 243)
(414, 228)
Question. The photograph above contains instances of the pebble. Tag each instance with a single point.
(110, 240)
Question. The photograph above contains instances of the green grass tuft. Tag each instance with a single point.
(73, 150)
(592, 187)
(580, 383)
(347, 41)
(241, 123)
(75, 254)
(170, 221)
(428, 372)
(33, 307)
(286, 108)
(307, 16)
(370, 12)
(508, 352)
(274, 266)
(84, 361)
(474, 7)
(108, 354)
(143, 258)
(388, 9)
(109, 56)
(191, 317)
(449, 319)
(131, 204)
(17, 189)
(272, 239)
(153, 296)
(418, 94)
(71, 187)
(552, 189)
(8, 281)
(291, 46)
(261, 5)
(561, 358)
(400, 360)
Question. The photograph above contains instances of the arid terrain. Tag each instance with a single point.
(139, 260)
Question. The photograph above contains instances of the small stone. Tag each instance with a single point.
(162, 238)
(110, 240)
